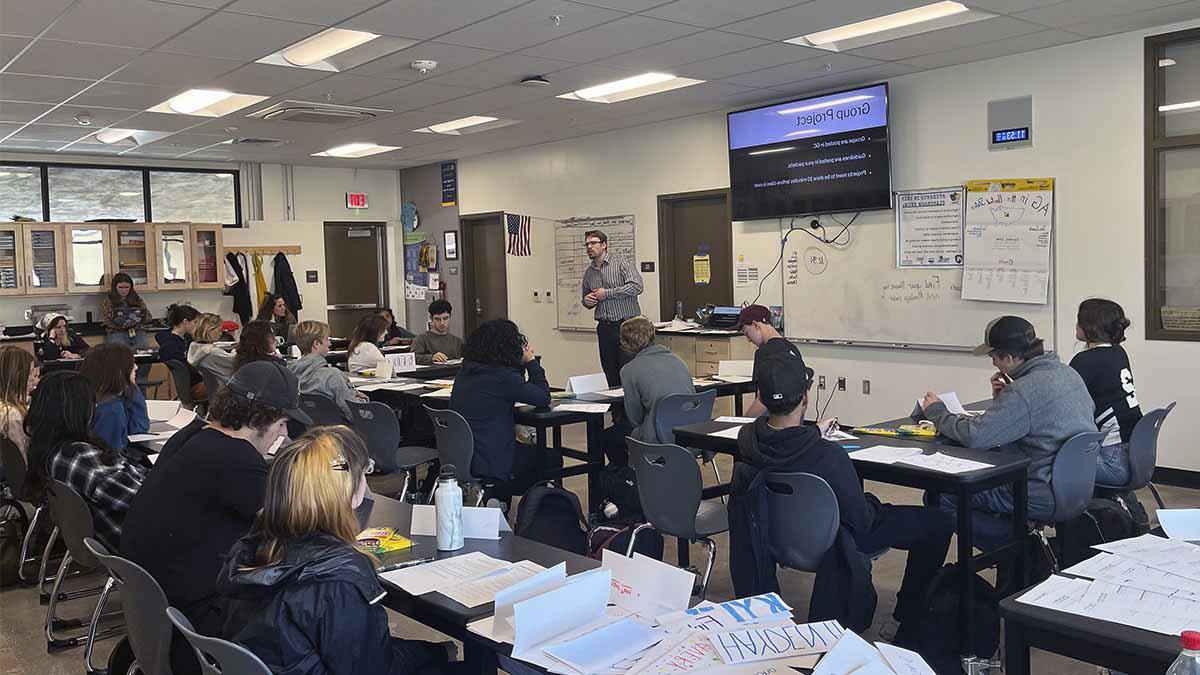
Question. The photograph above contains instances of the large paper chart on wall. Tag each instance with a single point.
(857, 295)
(570, 257)
(1006, 240)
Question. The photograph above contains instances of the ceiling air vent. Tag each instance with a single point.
(257, 141)
(317, 113)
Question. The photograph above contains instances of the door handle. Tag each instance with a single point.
(478, 307)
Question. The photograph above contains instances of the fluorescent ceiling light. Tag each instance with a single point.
(325, 44)
(5, 173)
(879, 24)
(771, 151)
(804, 132)
(466, 125)
(356, 150)
(823, 104)
(630, 87)
(1163, 63)
(1172, 107)
(129, 194)
(114, 135)
(206, 103)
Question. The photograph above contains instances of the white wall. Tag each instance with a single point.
(1088, 130)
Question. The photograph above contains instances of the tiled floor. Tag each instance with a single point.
(23, 646)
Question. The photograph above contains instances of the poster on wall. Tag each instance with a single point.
(449, 183)
(1006, 240)
(929, 227)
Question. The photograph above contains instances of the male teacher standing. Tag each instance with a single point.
(611, 287)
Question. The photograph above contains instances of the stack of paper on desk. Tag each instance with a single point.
(392, 386)
(647, 586)
(162, 430)
(445, 573)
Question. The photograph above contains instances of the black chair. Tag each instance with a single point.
(181, 376)
(1143, 454)
(1072, 482)
(219, 657)
(379, 428)
(74, 520)
(803, 519)
(17, 474)
(677, 410)
(456, 446)
(671, 489)
(321, 409)
(144, 603)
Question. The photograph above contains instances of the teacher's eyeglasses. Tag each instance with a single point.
(593, 242)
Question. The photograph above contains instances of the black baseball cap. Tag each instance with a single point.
(1009, 334)
(783, 376)
(270, 383)
(752, 313)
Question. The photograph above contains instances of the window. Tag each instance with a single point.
(1173, 186)
(79, 194)
(21, 192)
(186, 196)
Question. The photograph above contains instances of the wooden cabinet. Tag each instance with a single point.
(12, 259)
(173, 256)
(703, 355)
(208, 254)
(89, 263)
(45, 268)
(132, 252)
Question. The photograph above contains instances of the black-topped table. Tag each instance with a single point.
(140, 357)
(734, 389)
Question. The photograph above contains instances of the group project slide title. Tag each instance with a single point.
(804, 120)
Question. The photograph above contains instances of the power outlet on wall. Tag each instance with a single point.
(841, 384)
(548, 297)
(821, 382)
(537, 298)
(866, 387)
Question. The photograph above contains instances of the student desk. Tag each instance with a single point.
(441, 613)
(144, 358)
(1103, 643)
(1007, 468)
(723, 389)
(336, 356)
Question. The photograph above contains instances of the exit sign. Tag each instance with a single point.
(356, 200)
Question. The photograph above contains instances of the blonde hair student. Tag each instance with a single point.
(19, 375)
(315, 374)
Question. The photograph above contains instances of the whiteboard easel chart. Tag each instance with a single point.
(1006, 240)
(929, 227)
(571, 260)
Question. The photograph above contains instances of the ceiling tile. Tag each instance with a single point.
(748, 60)
(397, 66)
(851, 78)
(956, 37)
(11, 46)
(29, 18)
(705, 45)
(1161, 16)
(125, 95)
(612, 38)
(129, 23)
(190, 141)
(148, 121)
(1078, 11)
(530, 24)
(25, 144)
(1010, 6)
(427, 18)
(251, 127)
(505, 69)
(168, 68)
(582, 76)
(818, 15)
(21, 112)
(794, 72)
(416, 95)
(488, 101)
(342, 89)
(37, 89)
(238, 36)
(625, 5)
(266, 80)
(70, 59)
(713, 13)
(49, 132)
(320, 12)
(991, 50)
(207, 4)
(101, 117)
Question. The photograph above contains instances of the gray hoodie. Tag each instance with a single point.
(651, 375)
(318, 377)
(212, 358)
(1045, 405)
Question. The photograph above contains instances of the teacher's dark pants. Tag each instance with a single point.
(608, 334)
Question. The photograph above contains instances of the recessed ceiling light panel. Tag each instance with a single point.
(335, 50)
(909, 22)
(466, 125)
(630, 87)
(356, 150)
(206, 103)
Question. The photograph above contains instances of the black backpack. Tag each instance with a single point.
(943, 630)
(618, 485)
(614, 536)
(1104, 520)
(552, 516)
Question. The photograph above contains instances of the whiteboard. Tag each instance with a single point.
(857, 295)
(570, 258)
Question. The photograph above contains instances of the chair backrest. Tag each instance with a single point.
(455, 442)
(217, 656)
(71, 514)
(677, 410)
(669, 484)
(322, 410)
(379, 428)
(15, 470)
(1073, 476)
(181, 376)
(1143, 447)
(143, 603)
(212, 381)
(803, 519)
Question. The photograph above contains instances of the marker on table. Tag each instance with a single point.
(402, 565)
(852, 447)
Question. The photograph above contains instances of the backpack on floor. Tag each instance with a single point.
(14, 523)
(618, 485)
(552, 516)
(615, 535)
(1104, 520)
(942, 633)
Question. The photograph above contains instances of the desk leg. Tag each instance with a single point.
(595, 452)
(966, 562)
(1016, 649)
(477, 659)
(1020, 530)
(737, 403)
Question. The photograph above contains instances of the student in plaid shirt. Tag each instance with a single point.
(60, 448)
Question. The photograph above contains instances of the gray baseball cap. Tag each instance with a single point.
(269, 382)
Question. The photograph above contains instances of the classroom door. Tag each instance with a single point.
(485, 282)
(355, 276)
(695, 243)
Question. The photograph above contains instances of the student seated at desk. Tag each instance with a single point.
(202, 353)
(274, 311)
(364, 350)
(19, 375)
(60, 448)
(1104, 367)
(120, 404)
(781, 442)
(1038, 404)
(201, 497)
(300, 595)
(256, 343)
(58, 340)
(496, 362)
(653, 373)
(315, 373)
(437, 345)
(395, 332)
(173, 342)
(755, 323)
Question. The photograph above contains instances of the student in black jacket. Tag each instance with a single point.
(301, 597)
(59, 341)
(496, 362)
(173, 342)
(781, 442)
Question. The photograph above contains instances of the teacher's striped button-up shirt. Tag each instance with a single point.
(622, 284)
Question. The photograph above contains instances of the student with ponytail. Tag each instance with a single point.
(1104, 367)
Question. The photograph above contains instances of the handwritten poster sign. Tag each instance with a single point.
(764, 644)
(929, 227)
(1006, 240)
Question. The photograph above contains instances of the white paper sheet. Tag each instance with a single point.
(540, 619)
(1114, 603)
(884, 454)
(483, 590)
(749, 645)
(849, 654)
(599, 649)
(438, 393)
(440, 383)
(733, 379)
(945, 463)
(1129, 572)
(161, 411)
(731, 432)
(152, 458)
(182, 418)
(498, 627)
(837, 435)
(586, 384)
(1169, 555)
(611, 393)
(903, 661)
(702, 381)
(692, 652)
(737, 368)
(950, 399)
(646, 586)
(1180, 523)
(584, 407)
(735, 420)
(479, 522)
(444, 573)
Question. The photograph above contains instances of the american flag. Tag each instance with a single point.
(518, 234)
